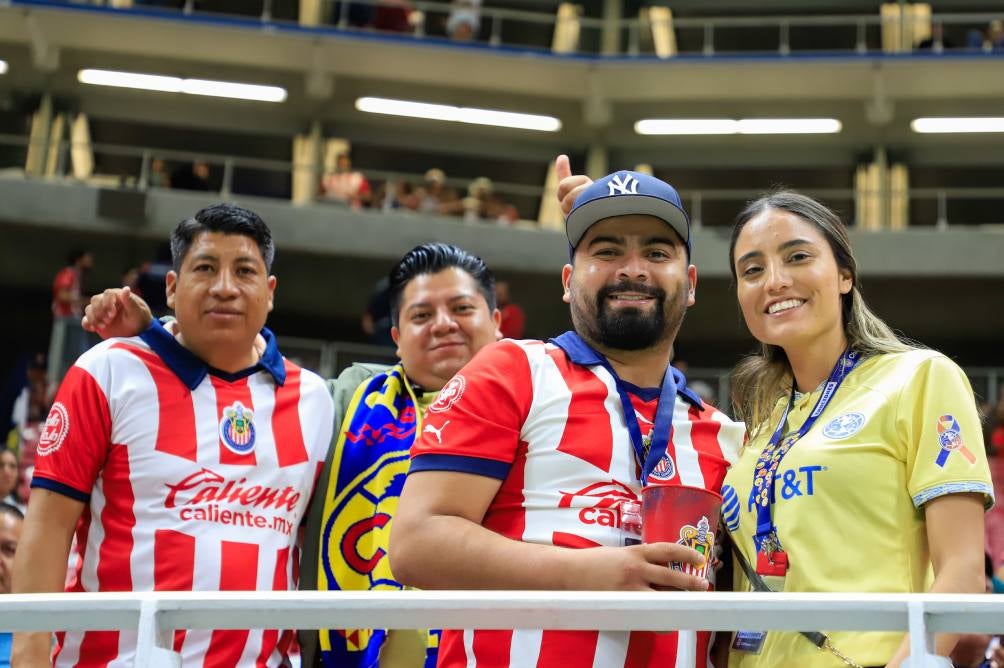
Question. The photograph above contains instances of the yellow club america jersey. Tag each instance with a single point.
(902, 429)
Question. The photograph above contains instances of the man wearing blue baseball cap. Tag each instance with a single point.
(536, 449)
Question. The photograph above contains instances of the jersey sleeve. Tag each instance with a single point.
(474, 425)
(938, 421)
(75, 439)
(64, 280)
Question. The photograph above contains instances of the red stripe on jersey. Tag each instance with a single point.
(176, 428)
(98, 648)
(227, 394)
(568, 649)
(583, 433)
(491, 648)
(704, 435)
(286, 429)
(118, 519)
(640, 649)
(173, 567)
(506, 515)
(176, 409)
(562, 539)
(270, 637)
(238, 572)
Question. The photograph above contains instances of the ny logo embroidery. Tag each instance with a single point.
(623, 185)
(438, 433)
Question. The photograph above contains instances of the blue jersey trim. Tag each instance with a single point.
(192, 370)
(489, 468)
(60, 488)
(954, 488)
(581, 353)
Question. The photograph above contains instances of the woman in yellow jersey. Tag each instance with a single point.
(865, 469)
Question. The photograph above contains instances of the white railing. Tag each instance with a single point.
(157, 615)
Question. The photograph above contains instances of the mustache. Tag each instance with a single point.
(628, 286)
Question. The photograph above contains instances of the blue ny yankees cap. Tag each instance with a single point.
(625, 193)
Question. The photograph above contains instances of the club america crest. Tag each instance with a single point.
(237, 428)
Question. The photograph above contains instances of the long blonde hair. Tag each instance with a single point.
(759, 380)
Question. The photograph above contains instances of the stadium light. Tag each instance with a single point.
(3, 67)
(743, 126)
(686, 126)
(947, 125)
(166, 84)
(444, 112)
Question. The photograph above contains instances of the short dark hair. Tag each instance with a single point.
(74, 255)
(8, 509)
(227, 219)
(432, 258)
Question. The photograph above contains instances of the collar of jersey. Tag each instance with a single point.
(192, 370)
(582, 353)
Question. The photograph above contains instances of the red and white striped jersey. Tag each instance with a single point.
(553, 431)
(192, 480)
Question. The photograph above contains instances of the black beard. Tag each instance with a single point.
(627, 328)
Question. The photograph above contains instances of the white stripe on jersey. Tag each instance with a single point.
(544, 438)
(730, 436)
(207, 572)
(611, 647)
(525, 647)
(686, 456)
(469, 648)
(207, 428)
(687, 642)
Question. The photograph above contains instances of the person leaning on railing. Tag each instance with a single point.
(865, 469)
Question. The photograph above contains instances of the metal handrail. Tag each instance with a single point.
(495, 16)
(156, 615)
(695, 197)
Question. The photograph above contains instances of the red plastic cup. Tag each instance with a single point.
(684, 515)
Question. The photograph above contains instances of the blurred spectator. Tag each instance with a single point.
(159, 176)
(376, 320)
(393, 16)
(11, 521)
(344, 185)
(501, 211)
(8, 479)
(151, 284)
(990, 39)
(68, 340)
(937, 41)
(130, 277)
(476, 204)
(195, 177)
(513, 318)
(704, 391)
(995, 457)
(464, 22)
(430, 194)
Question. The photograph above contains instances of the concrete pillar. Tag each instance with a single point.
(597, 161)
(610, 38)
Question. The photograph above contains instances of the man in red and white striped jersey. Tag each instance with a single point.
(529, 451)
(182, 458)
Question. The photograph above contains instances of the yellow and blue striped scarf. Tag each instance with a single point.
(368, 470)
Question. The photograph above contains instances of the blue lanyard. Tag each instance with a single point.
(764, 475)
(663, 425)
